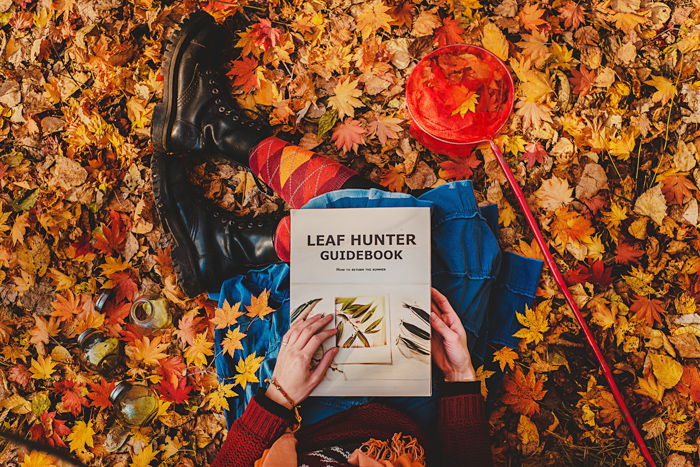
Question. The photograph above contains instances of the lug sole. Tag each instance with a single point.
(183, 252)
(164, 112)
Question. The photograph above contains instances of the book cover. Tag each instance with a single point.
(370, 269)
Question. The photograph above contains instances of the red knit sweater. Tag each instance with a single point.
(462, 431)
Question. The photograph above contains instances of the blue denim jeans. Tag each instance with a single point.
(485, 286)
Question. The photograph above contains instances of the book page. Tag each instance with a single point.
(370, 269)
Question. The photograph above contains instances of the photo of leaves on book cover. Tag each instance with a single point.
(414, 340)
(360, 322)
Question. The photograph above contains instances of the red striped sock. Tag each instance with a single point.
(294, 173)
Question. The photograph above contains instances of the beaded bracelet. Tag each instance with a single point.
(295, 407)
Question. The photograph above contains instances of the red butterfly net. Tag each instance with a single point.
(461, 95)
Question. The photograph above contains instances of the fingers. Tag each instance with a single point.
(440, 327)
(298, 328)
(311, 328)
(447, 313)
(322, 367)
(316, 340)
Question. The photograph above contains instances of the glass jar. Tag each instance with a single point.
(103, 353)
(136, 404)
(151, 313)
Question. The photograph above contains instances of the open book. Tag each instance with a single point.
(370, 269)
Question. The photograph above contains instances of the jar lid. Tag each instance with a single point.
(85, 334)
(121, 388)
(102, 299)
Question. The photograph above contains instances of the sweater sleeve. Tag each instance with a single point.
(463, 429)
(262, 422)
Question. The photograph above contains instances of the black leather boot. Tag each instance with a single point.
(210, 243)
(198, 114)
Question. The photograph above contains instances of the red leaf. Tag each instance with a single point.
(111, 238)
(572, 14)
(124, 286)
(582, 80)
(50, 430)
(177, 394)
(71, 396)
(245, 72)
(677, 188)
(648, 310)
(449, 33)
(82, 245)
(19, 374)
(594, 273)
(626, 253)
(348, 135)
(534, 152)
(459, 168)
(116, 313)
(171, 368)
(264, 34)
(690, 383)
(100, 394)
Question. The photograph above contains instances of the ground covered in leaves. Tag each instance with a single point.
(605, 141)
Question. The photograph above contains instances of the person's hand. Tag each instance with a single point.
(448, 342)
(293, 370)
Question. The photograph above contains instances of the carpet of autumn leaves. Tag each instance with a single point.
(604, 139)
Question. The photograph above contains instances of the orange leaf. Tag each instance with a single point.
(148, 351)
(531, 16)
(572, 14)
(226, 316)
(677, 188)
(99, 393)
(690, 383)
(459, 168)
(402, 14)
(393, 178)
(42, 330)
(71, 396)
(348, 135)
(522, 392)
(111, 238)
(570, 226)
(189, 325)
(626, 253)
(65, 307)
(258, 305)
(449, 33)
(246, 74)
(582, 79)
(648, 310)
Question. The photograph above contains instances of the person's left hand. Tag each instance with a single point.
(449, 341)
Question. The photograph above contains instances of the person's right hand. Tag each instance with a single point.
(293, 370)
(449, 341)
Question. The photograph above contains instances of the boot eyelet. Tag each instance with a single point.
(235, 118)
(212, 82)
(250, 225)
(222, 110)
(260, 224)
(215, 91)
(239, 226)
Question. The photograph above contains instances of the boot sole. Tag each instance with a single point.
(164, 112)
(183, 252)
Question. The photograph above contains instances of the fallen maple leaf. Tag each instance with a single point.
(218, 400)
(690, 383)
(245, 72)
(582, 79)
(533, 113)
(665, 89)
(522, 393)
(572, 14)
(345, 98)
(176, 394)
(172, 368)
(42, 331)
(258, 307)
(505, 356)
(148, 351)
(50, 429)
(81, 436)
(42, 368)
(402, 14)
(189, 325)
(348, 135)
(530, 16)
(449, 33)
(677, 188)
(570, 226)
(232, 341)
(264, 34)
(385, 127)
(197, 353)
(99, 393)
(111, 238)
(226, 316)
(626, 253)
(594, 272)
(554, 193)
(65, 307)
(648, 310)
(372, 18)
(124, 285)
(393, 178)
(458, 168)
(246, 369)
(71, 396)
(144, 457)
(468, 104)
(535, 323)
(534, 152)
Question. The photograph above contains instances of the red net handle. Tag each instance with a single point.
(549, 259)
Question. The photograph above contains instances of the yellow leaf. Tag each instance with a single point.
(468, 105)
(529, 436)
(345, 98)
(372, 18)
(665, 89)
(494, 41)
(144, 457)
(61, 281)
(17, 404)
(506, 214)
(19, 228)
(258, 305)
(232, 341)
(81, 436)
(505, 356)
(226, 316)
(666, 370)
(536, 322)
(217, 400)
(113, 265)
(148, 351)
(196, 354)
(37, 459)
(42, 368)
(246, 370)
(649, 387)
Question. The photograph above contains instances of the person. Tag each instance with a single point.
(477, 288)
